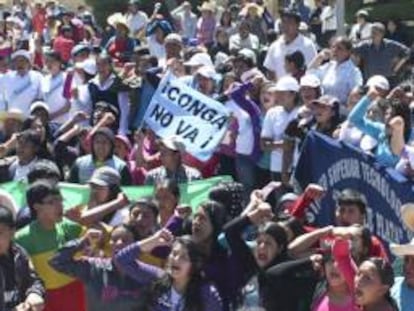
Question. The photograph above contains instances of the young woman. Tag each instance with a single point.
(167, 193)
(264, 277)
(326, 114)
(373, 281)
(392, 135)
(181, 286)
(107, 286)
(339, 273)
(102, 142)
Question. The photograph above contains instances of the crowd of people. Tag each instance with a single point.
(73, 100)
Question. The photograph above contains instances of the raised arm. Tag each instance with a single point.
(358, 117)
(144, 274)
(341, 251)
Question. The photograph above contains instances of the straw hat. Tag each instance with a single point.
(207, 6)
(407, 215)
(402, 250)
(13, 113)
(117, 19)
(252, 6)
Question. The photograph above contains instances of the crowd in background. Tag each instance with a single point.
(73, 98)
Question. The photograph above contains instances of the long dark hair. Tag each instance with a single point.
(192, 296)
(400, 109)
(386, 274)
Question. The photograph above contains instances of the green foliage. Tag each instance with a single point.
(382, 10)
(103, 8)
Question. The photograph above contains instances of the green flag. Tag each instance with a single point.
(192, 193)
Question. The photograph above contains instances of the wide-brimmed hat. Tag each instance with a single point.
(407, 215)
(402, 250)
(252, 6)
(13, 113)
(117, 19)
(207, 6)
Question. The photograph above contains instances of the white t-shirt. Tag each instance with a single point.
(275, 58)
(364, 32)
(137, 21)
(156, 49)
(20, 92)
(329, 19)
(52, 90)
(274, 126)
(245, 137)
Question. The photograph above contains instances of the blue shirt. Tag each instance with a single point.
(374, 129)
(403, 295)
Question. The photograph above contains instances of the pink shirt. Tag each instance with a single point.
(325, 305)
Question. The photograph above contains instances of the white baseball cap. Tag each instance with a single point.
(207, 72)
(287, 83)
(250, 74)
(88, 65)
(310, 80)
(199, 59)
(379, 82)
(39, 104)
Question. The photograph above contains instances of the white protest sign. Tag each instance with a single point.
(178, 110)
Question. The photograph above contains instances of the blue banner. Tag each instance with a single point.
(336, 166)
(178, 110)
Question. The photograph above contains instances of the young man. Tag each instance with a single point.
(20, 286)
(352, 210)
(43, 237)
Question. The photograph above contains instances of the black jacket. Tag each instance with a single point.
(17, 278)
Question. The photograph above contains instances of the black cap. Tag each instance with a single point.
(291, 13)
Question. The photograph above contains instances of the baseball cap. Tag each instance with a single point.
(207, 72)
(247, 54)
(39, 105)
(88, 65)
(250, 74)
(173, 37)
(105, 176)
(287, 84)
(378, 81)
(326, 100)
(310, 80)
(362, 13)
(173, 143)
(199, 59)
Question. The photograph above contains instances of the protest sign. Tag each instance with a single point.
(192, 193)
(337, 166)
(178, 110)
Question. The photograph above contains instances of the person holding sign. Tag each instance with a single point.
(171, 151)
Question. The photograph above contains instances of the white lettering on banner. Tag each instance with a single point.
(178, 110)
(343, 169)
(350, 168)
